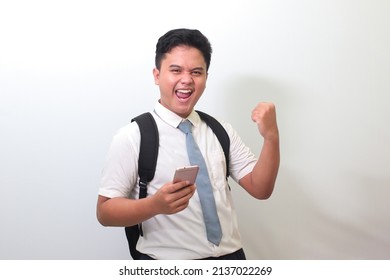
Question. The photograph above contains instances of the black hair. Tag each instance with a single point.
(183, 37)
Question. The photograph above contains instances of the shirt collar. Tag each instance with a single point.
(172, 119)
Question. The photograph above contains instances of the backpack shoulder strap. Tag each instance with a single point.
(221, 134)
(148, 153)
(147, 160)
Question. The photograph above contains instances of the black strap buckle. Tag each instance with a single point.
(142, 194)
(142, 188)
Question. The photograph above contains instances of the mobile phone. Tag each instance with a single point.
(186, 173)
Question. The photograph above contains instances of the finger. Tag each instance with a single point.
(263, 111)
(257, 112)
(182, 202)
(178, 186)
(184, 193)
(187, 190)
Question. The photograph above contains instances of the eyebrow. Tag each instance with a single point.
(193, 69)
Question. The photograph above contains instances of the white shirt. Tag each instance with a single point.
(181, 235)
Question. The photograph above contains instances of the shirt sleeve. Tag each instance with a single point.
(119, 173)
(242, 160)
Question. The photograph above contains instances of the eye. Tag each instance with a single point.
(196, 73)
(175, 70)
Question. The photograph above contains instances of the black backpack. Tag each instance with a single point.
(147, 161)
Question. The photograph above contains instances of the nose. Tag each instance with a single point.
(186, 78)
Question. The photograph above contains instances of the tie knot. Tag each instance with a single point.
(185, 126)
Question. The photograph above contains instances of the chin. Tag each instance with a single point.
(183, 112)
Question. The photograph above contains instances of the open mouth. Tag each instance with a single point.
(183, 94)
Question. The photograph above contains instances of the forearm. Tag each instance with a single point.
(266, 169)
(261, 181)
(169, 199)
(124, 212)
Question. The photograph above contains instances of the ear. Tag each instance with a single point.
(156, 75)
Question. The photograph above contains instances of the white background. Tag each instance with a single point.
(73, 72)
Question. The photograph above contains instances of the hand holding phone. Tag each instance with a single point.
(186, 173)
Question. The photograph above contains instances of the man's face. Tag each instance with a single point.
(182, 79)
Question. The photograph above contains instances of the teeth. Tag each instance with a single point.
(184, 91)
(183, 94)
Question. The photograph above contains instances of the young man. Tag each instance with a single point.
(171, 214)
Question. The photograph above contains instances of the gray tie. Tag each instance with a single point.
(205, 191)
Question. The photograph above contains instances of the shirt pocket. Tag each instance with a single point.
(217, 170)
